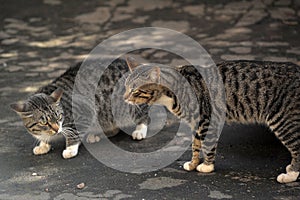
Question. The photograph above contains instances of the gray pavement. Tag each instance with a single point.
(40, 39)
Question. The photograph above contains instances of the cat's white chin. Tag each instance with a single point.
(129, 102)
(60, 127)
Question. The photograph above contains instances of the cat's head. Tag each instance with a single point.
(42, 114)
(143, 83)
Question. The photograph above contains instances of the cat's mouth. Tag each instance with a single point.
(129, 102)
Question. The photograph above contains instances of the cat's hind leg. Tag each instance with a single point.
(288, 133)
(209, 155)
(293, 169)
(290, 175)
(196, 147)
(91, 135)
(108, 131)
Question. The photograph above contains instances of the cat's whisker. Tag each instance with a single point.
(36, 142)
(138, 108)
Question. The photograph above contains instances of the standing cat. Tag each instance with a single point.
(50, 111)
(256, 92)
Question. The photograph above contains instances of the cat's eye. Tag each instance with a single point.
(43, 120)
(135, 93)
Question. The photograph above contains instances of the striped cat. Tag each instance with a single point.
(256, 92)
(49, 112)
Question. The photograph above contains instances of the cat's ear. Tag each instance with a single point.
(18, 107)
(21, 109)
(132, 63)
(57, 94)
(154, 75)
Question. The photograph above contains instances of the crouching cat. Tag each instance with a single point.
(256, 92)
(49, 112)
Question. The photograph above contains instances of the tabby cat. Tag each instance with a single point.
(49, 112)
(256, 92)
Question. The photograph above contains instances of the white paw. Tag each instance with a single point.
(140, 132)
(70, 151)
(138, 135)
(290, 176)
(91, 138)
(43, 148)
(188, 166)
(205, 168)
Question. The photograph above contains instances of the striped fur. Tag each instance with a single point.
(53, 104)
(256, 92)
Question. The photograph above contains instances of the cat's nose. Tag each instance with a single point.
(126, 96)
(54, 126)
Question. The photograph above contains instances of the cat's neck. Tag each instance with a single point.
(166, 101)
(179, 97)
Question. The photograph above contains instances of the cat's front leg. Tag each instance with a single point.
(72, 143)
(209, 153)
(140, 132)
(71, 151)
(43, 148)
(207, 166)
(140, 115)
(196, 147)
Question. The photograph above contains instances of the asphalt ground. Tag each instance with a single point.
(41, 39)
